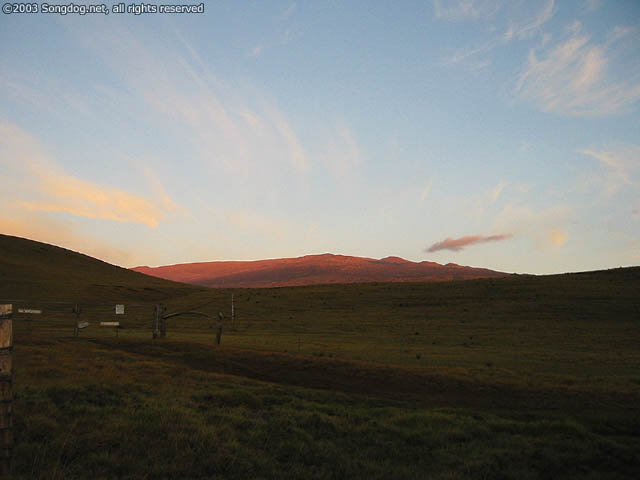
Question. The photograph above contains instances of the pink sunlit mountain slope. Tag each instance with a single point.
(314, 269)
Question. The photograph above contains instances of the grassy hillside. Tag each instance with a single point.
(520, 377)
(37, 271)
(573, 328)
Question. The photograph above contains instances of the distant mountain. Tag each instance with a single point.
(314, 269)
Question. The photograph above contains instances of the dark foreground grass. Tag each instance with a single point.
(107, 410)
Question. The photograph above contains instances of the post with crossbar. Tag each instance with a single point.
(6, 397)
(163, 321)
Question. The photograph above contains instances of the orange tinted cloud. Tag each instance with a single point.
(457, 244)
(45, 187)
(85, 199)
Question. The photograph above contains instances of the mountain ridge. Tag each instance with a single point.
(314, 269)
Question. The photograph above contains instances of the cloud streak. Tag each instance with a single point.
(85, 199)
(529, 28)
(221, 123)
(620, 166)
(46, 188)
(457, 244)
(230, 127)
(574, 77)
(475, 55)
(463, 10)
(547, 227)
(341, 155)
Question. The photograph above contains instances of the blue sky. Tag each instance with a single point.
(502, 134)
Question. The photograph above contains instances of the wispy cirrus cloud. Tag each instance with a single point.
(45, 94)
(231, 127)
(457, 244)
(341, 154)
(532, 26)
(84, 199)
(487, 198)
(547, 226)
(461, 10)
(228, 128)
(426, 190)
(45, 187)
(620, 167)
(516, 25)
(497, 190)
(575, 76)
(281, 35)
(469, 55)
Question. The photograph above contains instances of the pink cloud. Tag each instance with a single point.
(457, 244)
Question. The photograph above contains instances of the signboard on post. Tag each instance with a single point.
(119, 309)
(30, 310)
(109, 324)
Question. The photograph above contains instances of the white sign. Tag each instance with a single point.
(6, 309)
(119, 309)
(29, 310)
(109, 324)
(83, 325)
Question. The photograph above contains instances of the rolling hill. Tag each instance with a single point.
(31, 270)
(312, 270)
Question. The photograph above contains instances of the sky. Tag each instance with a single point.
(491, 133)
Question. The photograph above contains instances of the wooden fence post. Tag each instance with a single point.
(163, 321)
(76, 330)
(6, 397)
(156, 317)
(233, 314)
(219, 329)
(159, 322)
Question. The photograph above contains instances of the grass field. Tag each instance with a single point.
(521, 377)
